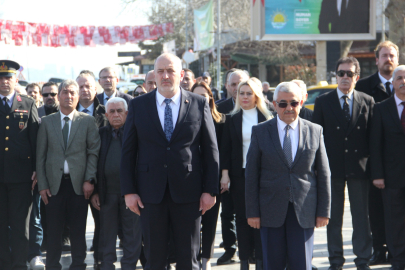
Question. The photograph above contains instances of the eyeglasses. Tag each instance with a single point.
(138, 94)
(107, 77)
(47, 94)
(285, 104)
(341, 73)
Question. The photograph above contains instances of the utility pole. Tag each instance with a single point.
(219, 47)
(383, 21)
(186, 26)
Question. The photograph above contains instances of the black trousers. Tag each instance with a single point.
(186, 221)
(376, 215)
(209, 227)
(96, 237)
(249, 239)
(361, 240)
(394, 208)
(66, 206)
(113, 210)
(15, 202)
(228, 222)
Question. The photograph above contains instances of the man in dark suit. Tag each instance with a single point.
(379, 86)
(49, 94)
(305, 113)
(388, 165)
(345, 116)
(108, 80)
(18, 138)
(66, 162)
(344, 16)
(169, 165)
(287, 182)
(228, 212)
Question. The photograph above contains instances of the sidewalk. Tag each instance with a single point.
(320, 250)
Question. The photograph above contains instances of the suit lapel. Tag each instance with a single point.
(154, 113)
(74, 127)
(16, 102)
(276, 140)
(303, 131)
(334, 104)
(378, 84)
(57, 124)
(357, 104)
(237, 121)
(184, 107)
(392, 107)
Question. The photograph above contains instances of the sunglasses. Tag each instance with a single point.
(138, 94)
(285, 104)
(341, 73)
(47, 94)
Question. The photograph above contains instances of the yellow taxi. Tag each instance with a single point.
(314, 91)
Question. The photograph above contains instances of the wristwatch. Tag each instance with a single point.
(91, 181)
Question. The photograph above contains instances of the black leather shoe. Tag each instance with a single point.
(259, 264)
(221, 245)
(314, 267)
(244, 265)
(363, 267)
(379, 257)
(66, 245)
(227, 257)
(335, 266)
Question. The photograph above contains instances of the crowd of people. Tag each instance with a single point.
(156, 166)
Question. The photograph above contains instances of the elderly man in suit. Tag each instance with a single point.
(388, 165)
(345, 115)
(380, 87)
(108, 80)
(287, 183)
(66, 167)
(169, 165)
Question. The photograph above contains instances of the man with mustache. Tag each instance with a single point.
(50, 99)
(388, 165)
(345, 116)
(380, 87)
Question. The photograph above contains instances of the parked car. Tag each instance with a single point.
(317, 90)
(56, 80)
(126, 87)
(137, 81)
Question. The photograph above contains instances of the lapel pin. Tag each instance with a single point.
(186, 101)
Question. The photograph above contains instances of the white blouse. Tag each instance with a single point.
(249, 119)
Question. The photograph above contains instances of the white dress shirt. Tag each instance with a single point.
(339, 5)
(106, 98)
(90, 109)
(294, 134)
(66, 167)
(10, 99)
(174, 104)
(400, 107)
(249, 119)
(384, 81)
(349, 100)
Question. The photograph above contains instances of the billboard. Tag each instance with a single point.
(204, 27)
(313, 20)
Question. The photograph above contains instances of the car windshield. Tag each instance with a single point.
(313, 94)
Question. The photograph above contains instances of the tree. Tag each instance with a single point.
(395, 12)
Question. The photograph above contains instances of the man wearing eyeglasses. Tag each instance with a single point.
(108, 81)
(50, 99)
(345, 115)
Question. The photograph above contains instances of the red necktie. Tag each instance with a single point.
(403, 116)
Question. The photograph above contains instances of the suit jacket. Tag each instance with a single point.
(81, 152)
(98, 113)
(387, 145)
(269, 178)
(373, 86)
(127, 97)
(18, 139)
(347, 145)
(187, 165)
(41, 111)
(306, 114)
(225, 106)
(355, 20)
(231, 152)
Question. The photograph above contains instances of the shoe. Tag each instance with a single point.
(91, 248)
(227, 257)
(314, 267)
(244, 265)
(37, 264)
(221, 245)
(205, 264)
(252, 260)
(66, 245)
(259, 264)
(335, 266)
(379, 257)
(96, 266)
(170, 267)
(363, 267)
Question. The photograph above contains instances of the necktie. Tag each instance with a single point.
(288, 153)
(403, 116)
(168, 123)
(346, 108)
(85, 111)
(116, 133)
(388, 88)
(65, 130)
(5, 99)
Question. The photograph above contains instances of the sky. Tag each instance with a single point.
(40, 64)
